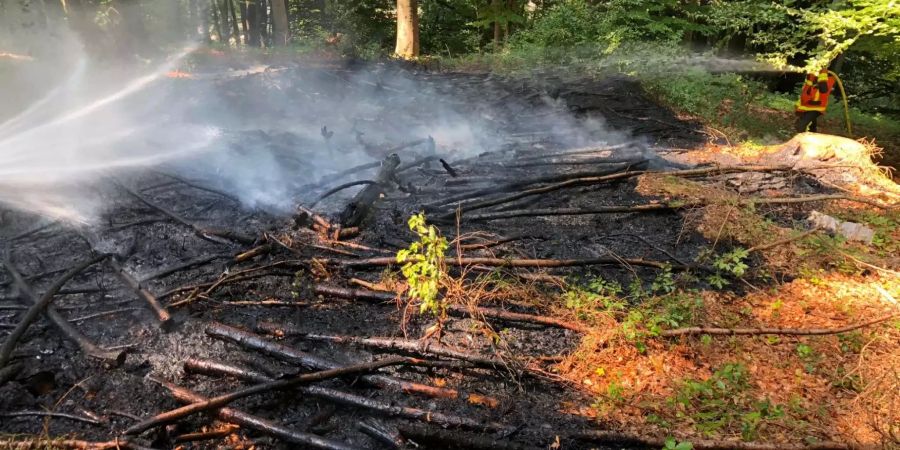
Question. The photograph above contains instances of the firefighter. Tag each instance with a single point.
(813, 100)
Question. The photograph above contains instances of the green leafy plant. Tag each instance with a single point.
(672, 444)
(423, 265)
(723, 401)
(664, 281)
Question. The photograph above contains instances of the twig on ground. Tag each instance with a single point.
(205, 435)
(688, 331)
(57, 415)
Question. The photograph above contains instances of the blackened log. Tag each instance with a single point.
(356, 212)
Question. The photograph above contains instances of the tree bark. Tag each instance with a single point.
(282, 35)
(218, 23)
(407, 29)
(254, 24)
(245, 24)
(235, 31)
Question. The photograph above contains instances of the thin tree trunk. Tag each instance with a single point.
(215, 14)
(234, 23)
(245, 24)
(282, 35)
(254, 24)
(497, 28)
(407, 29)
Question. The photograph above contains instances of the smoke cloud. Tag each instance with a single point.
(263, 133)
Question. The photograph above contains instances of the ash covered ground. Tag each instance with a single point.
(291, 133)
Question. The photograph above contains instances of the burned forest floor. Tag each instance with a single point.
(597, 273)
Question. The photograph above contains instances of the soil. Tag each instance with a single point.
(520, 119)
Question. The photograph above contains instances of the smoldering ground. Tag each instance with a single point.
(264, 133)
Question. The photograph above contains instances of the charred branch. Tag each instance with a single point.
(455, 439)
(158, 309)
(352, 400)
(40, 306)
(225, 399)
(388, 436)
(424, 349)
(70, 332)
(457, 310)
(293, 356)
(340, 188)
(355, 213)
(257, 423)
(500, 262)
(202, 232)
(691, 331)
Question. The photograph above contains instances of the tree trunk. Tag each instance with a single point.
(235, 31)
(254, 24)
(282, 35)
(218, 23)
(495, 5)
(407, 29)
(245, 24)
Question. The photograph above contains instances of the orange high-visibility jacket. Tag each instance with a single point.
(815, 91)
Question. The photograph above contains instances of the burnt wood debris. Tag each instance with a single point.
(194, 318)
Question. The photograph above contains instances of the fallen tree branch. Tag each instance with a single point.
(499, 314)
(388, 436)
(419, 348)
(614, 175)
(66, 328)
(74, 444)
(205, 435)
(40, 306)
(780, 242)
(454, 439)
(340, 188)
(185, 266)
(519, 184)
(690, 331)
(57, 415)
(202, 232)
(574, 211)
(501, 262)
(255, 342)
(158, 309)
(344, 398)
(621, 438)
(225, 399)
(257, 423)
(458, 310)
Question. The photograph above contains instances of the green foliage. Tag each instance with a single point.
(664, 282)
(595, 297)
(730, 264)
(723, 402)
(672, 444)
(423, 265)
